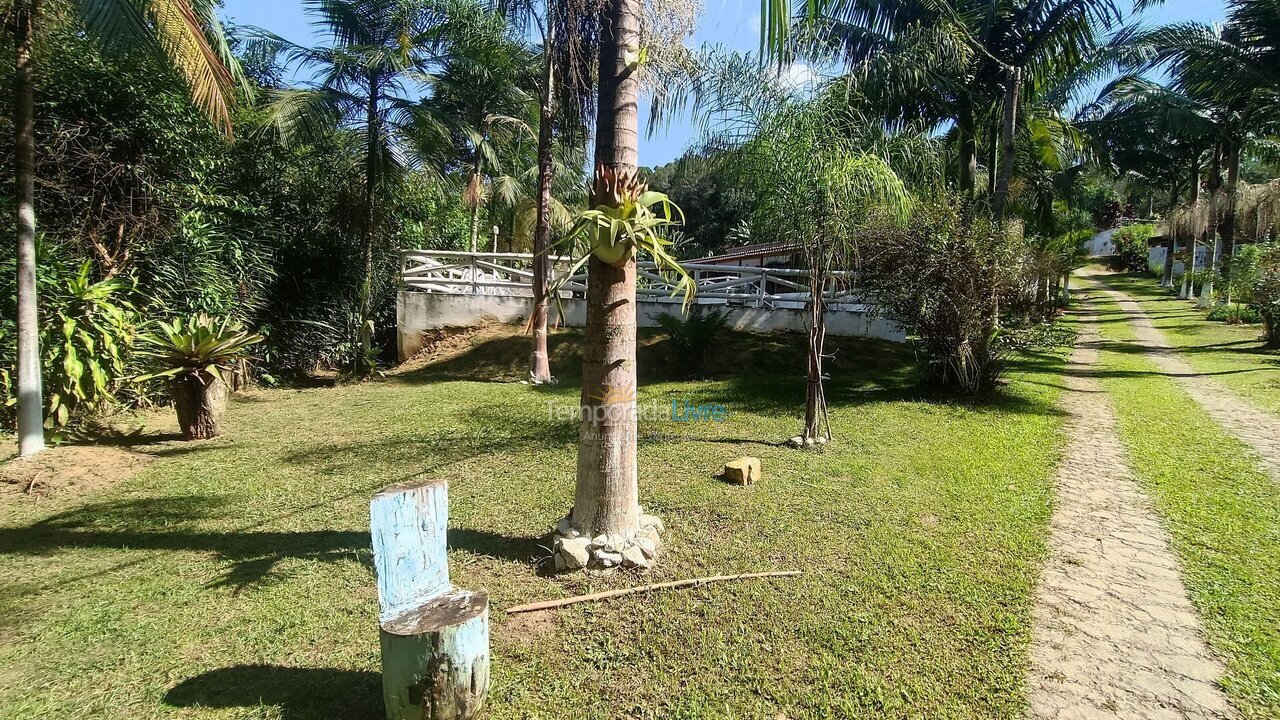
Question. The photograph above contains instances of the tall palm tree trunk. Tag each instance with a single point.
(372, 168)
(1213, 225)
(1227, 226)
(1166, 274)
(1008, 134)
(966, 127)
(30, 393)
(539, 362)
(1193, 197)
(606, 500)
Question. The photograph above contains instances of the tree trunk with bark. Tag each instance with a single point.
(1170, 248)
(1193, 196)
(200, 402)
(1008, 134)
(30, 391)
(539, 361)
(1220, 155)
(1166, 274)
(815, 401)
(606, 499)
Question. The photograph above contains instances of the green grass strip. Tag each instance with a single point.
(1233, 354)
(1221, 509)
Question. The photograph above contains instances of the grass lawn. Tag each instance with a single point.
(1221, 508)
(232, 578)
(1233, 354)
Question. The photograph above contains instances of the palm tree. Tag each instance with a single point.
(367, 81)
(189, 34)
(606, 496)
(1231, 73)
(1158, 135)
(948, 62)
(818, 168)
(485, 97)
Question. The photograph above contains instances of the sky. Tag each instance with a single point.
(732, 23)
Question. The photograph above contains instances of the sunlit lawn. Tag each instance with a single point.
(232, 578)
(1221, 508)
(1233, 354)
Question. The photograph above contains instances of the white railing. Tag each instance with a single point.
(511, 274)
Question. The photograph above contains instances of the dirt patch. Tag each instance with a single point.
(76, 469)
(529, 627)
(449, 342)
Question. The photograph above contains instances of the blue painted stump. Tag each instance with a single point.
(435, 638)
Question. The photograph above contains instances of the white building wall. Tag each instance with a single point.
(1155, 257)
(418, 312)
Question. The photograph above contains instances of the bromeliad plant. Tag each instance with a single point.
(197, 356)
(627, 219)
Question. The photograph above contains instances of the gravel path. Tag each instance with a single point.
(1256, 428)
(1115, 635)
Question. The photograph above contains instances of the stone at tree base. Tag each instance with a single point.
(634, 556)
(564, 528)
(652, 521)
(605, 551)
(573, 551)
(648, 534)
(743, 471)
(796, 442)
(606, 558)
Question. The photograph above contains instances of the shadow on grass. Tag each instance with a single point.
(299, 693)
(253, 556)
(497, 545)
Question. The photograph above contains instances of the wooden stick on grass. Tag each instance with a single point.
(694, 582)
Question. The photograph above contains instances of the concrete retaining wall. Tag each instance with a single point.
(418, 312)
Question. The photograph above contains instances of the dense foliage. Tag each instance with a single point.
(139, 194)
(1131, 248)
(1266, 290)
(717, 201)
(943, 277)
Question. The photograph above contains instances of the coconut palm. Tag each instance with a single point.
(367, 80)
(1158, 136)
(486, 97)
(190, 36)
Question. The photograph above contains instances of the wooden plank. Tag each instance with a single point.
(409, 524)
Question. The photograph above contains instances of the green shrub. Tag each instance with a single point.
(200, 347)
(945, 277)
(1235, 314)
(692, 336)
(1266, 290)
(1242, 274)
(1131, 247)
(86, 330)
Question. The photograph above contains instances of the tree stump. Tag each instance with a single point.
(435, 638)
(200, 402)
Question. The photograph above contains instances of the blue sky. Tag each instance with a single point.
(733, 23)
